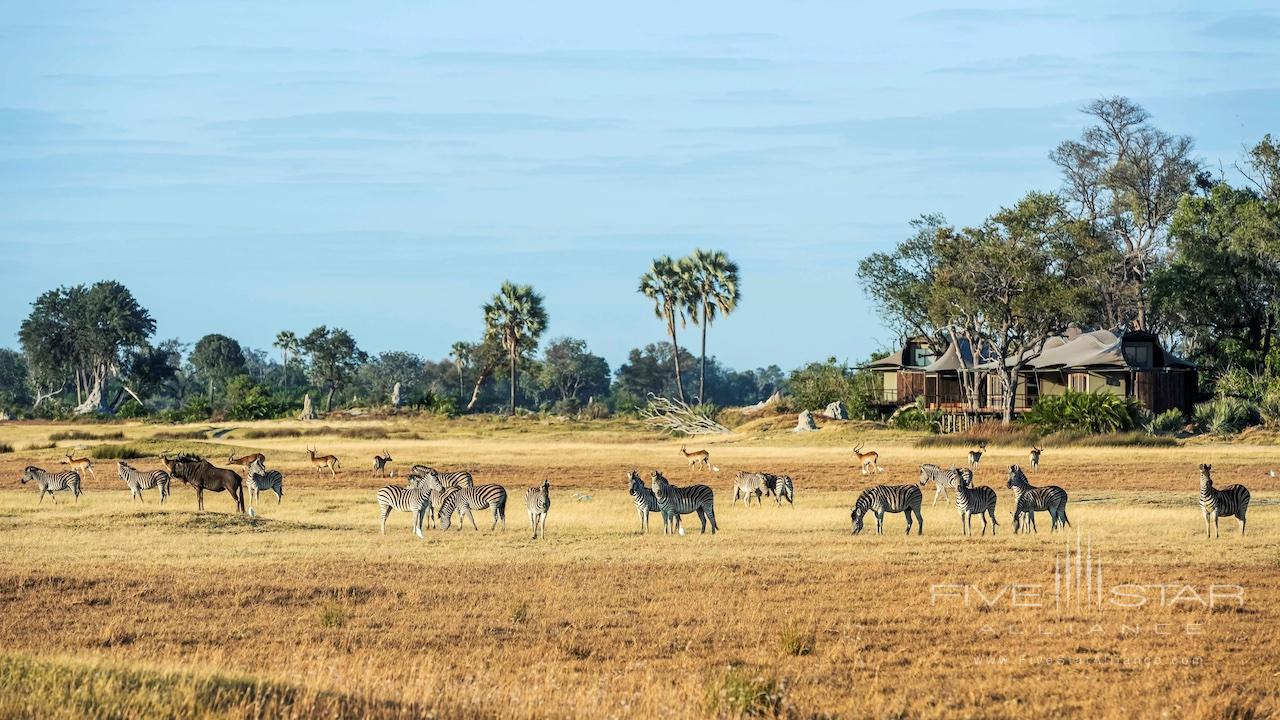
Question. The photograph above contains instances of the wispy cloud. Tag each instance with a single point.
(400, 123)
(596, 60)
(1258, 26)
(987, 15)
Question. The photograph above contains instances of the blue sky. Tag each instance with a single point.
(383, 166)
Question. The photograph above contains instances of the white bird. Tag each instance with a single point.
(1271, 473)
(581, 497)
(252, 513)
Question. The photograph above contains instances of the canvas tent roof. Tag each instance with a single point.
(959, 356)
(1096, 349)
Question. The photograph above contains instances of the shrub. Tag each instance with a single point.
(1169, 422)
(817, 385)
(740, 692)
(6, 448)
(115, 452)
(1089, 412)
(132, 409)
(1236, 382)
(1269, 408)
(1226, 415)
(596, 411)
(195, 410)
(332, 615)
(41, 446)
(797, 641)
(82, 435)
(182, 435)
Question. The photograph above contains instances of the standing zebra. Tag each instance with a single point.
(676, 501)
(780, 487)
(464, 500)
(51, 483)
(1232, 500)
(943, 478)
(261, 479)
(137, 481)
(1028, 500)
(538, 501)
(880, 499)
(457, 478)
(980, 501)
(747, 484)
(405, 499)
(644, 500)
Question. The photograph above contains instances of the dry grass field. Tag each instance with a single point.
(115, 609)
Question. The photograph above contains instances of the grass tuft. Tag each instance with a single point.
(520, 613)
(6, 448)
(332, 615)
(41, 446)
(797, 641)
(82, 435)
(742, 692)
(116, 452)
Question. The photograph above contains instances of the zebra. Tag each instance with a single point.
(457, 478)
(980, 501)
(1214, 503)
(747, 484)
(780, 487)
(261, 479)
(943, 478)
(644, 500)
(676, 501)
(464, 500)
(880, 499)
(52, 482)
(137, 481)
(1028, 500)
(405, 499)
(538, 501)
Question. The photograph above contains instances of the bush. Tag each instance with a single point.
(251, 401)
(1239, 383)
(740, 692)
(817, 385)
(1169, 422)
(6, 448)
(1087, 412)
(917, 419)
(132, 409)
(115, 452)
(596, 411)
(195, 410)
(1226, 415)
(1269, 408)
(82, 435)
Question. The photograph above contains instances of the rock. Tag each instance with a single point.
(308, 410)
(836, 411)
(4, 415)
(395, 396)
(760, 407)
(805, 422)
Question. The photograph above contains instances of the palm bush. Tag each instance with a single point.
(1169, 422)
(1226, 415)
(1089, 412)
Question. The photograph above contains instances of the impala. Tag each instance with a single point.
(81, 463)
(867, 459)
(247, 460)
(323, 462)
(698, 457)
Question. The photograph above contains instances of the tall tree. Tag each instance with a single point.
(666, 285)
(462, 354)
(15, 393)
(1124, 178)
(287, 343)
(572, 371)
(516, 318)
(335, 357)
(713, 284)
(217, 358)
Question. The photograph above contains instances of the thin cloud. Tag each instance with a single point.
(595, 60)
(399, 123)
(1245, 27)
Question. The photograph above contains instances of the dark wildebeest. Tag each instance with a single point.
(199, 474)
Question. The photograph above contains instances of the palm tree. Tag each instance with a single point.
(516, 318)
(287, 342)
(713, 285)
(461, 354)
(668, 288)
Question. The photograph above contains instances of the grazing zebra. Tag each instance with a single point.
(644, 500)
(780, 487)
(676, 501)
(261, 479)
(943, 478)
(137, 480)
(747, 484)
(380, 464)
(980, 501)
(1232, 500)
(405, 499)
(457, 478)
(1035, 457)
(464, 500)
(51, 483)
(1028, 500)
(538, 501)
(880, 499)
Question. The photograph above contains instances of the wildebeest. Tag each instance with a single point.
(199, 474)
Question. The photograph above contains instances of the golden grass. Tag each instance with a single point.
(127, 610)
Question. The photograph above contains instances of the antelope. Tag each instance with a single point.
(247, 460)
(81, 463)
(1035, 457)
(322, 462)
(870, 458)
(975, 456)
(699, 457)
(380, 463)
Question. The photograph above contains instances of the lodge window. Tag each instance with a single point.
(1138, 355)
(1078, 382)
(919, 356)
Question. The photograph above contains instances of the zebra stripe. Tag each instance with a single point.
(676, 501)
(537, 500)
(980, 501)
(457, 478)
(881, 499)
(644, 500)
(780, 487)
(943, 478)
(747, 484)
(139, 480)
(1230, 501)
(1029, 499)
(404, 499)
(464, 500)
(261, 479)
(51, 483)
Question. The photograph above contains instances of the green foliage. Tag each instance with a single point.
(515, 317)
(83, 435)
(1169, 422)
(334, 359)
(6, 448)
(1086, 412)
(1226, 415)
(131, 409)
(115, 452)
(918, 419)
(15, 394)
(819, 384)
(332, 615)
(797, 641)
(1269, 408)
(217, 359)
(251, 401)
(742, 692)
(572, 372)
(197, 408)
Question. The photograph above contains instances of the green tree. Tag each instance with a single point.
(712, 279)
(572, 372)
(15, 393)
(287, 343)
(216, 359)
(381, 374)
(335, 357)
(462, 354)
(667, 286)
(516, 318)
(147, 370)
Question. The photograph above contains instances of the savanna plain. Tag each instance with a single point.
(113, 608)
